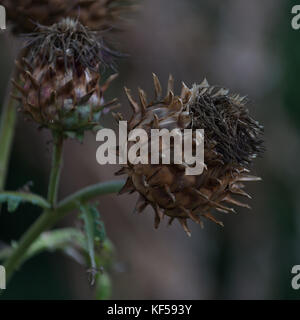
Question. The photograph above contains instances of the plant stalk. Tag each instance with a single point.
(8, 122)
(51, 216)
(44, 222)
(7, 128)
(47, 219)
(56, 168)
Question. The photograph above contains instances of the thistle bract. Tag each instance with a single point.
(232, 139)
(60, 78)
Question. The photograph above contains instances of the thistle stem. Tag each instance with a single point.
(51, 216)
(88, 193)
(44, 222)
(8, 122)
(47, 219)
(7, 128)
(56, 168)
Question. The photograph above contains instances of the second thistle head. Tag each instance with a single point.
(60, 77)
(232, 139)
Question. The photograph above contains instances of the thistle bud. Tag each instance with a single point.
(59, 78)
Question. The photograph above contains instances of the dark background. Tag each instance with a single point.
(247, 46)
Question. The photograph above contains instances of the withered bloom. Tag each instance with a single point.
(95, 14)
(60, 75)
(232, 139)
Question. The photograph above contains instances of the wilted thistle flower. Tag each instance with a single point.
(59, 78)
(232, 139)
(95, 14)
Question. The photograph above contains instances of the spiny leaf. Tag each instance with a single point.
(14, 199)
(69, 240)
(94, 231)
(99, 228)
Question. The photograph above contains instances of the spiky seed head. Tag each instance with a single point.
(95, 14)
(232, 141)
(60, 76)
(227, 123)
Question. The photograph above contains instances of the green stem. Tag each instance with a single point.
(88, 193)
(8, 122)
(7, 127)
(50, 217)
(56, 167)
(47, 219)
(35, 199)
(44, 222)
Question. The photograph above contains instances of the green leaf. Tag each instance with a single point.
(99, 228)
(89, 216)
(104, 287)
(70, 134)
(13, 203)
(60, 239)
(94, 230)
(14, 199)
(69, 240)
(78, 134)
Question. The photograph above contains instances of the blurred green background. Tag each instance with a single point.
(247, 46)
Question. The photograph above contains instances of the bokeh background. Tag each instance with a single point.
(247, 46)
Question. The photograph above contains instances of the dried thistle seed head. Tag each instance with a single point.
(71, 42)
(232, 140)
(96, 14)
(227, 123)
(59, 78)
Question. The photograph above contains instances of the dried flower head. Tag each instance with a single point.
(60, 75)
(232, 141)
(95, 14)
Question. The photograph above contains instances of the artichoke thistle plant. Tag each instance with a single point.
(59, 85)
(60, 78)
(232, 141)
